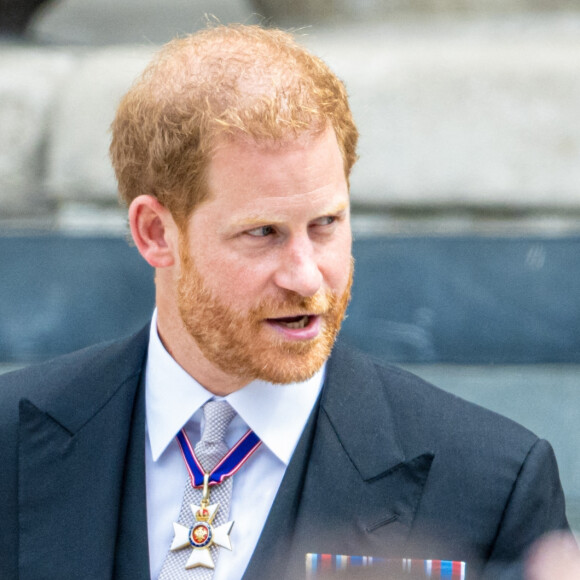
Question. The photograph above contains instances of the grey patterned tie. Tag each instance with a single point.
(209, 451)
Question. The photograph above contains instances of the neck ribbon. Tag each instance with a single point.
(229, 464)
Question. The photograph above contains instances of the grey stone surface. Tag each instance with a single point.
(100, 22)
(30, 84)
(463, 113)
(304, 12)
(120, 21)
(453, 113)
(78, 166)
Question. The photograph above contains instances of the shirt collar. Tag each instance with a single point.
(276, 413)
(172, 395)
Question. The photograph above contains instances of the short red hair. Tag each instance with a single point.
(224, 81)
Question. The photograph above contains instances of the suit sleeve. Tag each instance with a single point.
(536, 506)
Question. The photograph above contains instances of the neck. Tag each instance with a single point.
(183, 348)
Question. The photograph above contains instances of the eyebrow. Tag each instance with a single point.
(258, 220)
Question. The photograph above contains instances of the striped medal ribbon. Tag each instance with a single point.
(320, 565)
(230, 463)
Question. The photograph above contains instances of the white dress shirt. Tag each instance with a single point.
(276, 413)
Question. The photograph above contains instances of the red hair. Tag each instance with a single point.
(222, 82)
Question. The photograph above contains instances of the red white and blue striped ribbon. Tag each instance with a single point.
(318, 564)
(436, 569)
(228, 465)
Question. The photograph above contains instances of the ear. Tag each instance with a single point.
(154, 231)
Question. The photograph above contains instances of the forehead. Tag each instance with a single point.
(302, 170)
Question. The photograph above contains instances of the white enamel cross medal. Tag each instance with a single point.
(202, 535)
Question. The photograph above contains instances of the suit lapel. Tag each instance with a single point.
(132, 551)
(71, 468)
(359, 490)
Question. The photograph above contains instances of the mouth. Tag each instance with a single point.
(299, 327)
(292, 322)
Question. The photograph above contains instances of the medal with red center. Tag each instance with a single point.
(202, 534)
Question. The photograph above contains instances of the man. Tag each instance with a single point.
(233, 152)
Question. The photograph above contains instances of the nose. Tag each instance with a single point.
(298, 269)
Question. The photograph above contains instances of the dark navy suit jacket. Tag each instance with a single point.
(388, 465)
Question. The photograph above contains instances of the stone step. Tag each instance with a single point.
(102, 22)
(464, 112)
(306, 12)
(121, 21)
(453, 113)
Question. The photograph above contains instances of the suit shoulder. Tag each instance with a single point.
(81, 372)
(412, 392)
(424, 408)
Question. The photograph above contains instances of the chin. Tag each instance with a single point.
(296, 363)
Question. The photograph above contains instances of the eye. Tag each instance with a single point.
(261, 232)
(326, 220)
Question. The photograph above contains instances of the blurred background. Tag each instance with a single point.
(466, 199)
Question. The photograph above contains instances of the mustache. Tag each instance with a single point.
(295, 305)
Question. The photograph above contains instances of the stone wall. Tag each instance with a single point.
(55, 109)
(304, 12)
(455, 114)
(462, 113)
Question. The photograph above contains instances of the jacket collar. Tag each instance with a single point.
(360, 413)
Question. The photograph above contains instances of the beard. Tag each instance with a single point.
(243, 344)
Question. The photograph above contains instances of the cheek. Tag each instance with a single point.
(337, 265)
(236, 284)
(337, 275)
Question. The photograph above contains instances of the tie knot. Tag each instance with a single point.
(218, 416)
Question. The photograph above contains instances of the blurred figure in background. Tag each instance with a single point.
(555, 557)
